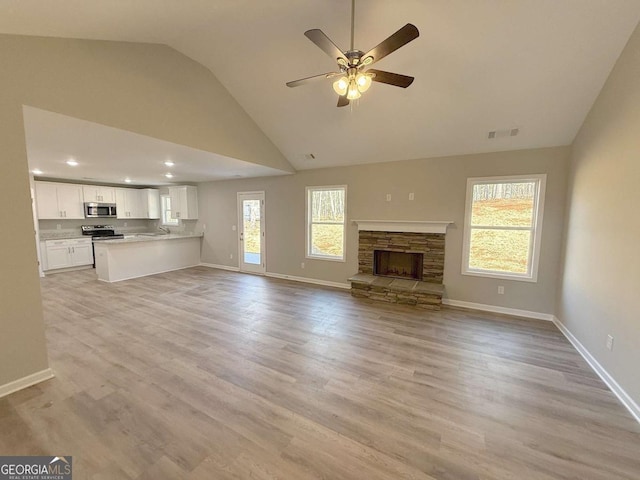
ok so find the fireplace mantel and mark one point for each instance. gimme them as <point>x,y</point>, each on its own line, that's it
<point>402,226</point>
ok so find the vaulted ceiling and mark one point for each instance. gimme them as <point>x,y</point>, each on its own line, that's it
<point>535,65</point>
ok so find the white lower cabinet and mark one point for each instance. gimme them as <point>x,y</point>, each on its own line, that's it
<point>67,253</point>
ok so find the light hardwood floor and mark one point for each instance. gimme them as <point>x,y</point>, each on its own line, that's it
<point>207,374</point>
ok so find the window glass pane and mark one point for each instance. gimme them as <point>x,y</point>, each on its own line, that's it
<point>165,204</point>
<point>327,206</point>
<point>327,240</point>
<point>503,204</point>
<point>499,250</point>
<point>251,229</point>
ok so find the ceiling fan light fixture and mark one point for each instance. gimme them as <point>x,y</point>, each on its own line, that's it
<point>340,86</point>
<point>364,82</point>
<point>353,92</point>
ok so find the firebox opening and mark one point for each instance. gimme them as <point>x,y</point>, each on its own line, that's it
<point>397,264</point>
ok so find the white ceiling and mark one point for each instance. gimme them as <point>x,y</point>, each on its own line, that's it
<point>110,155</point>
<point>479,65</point>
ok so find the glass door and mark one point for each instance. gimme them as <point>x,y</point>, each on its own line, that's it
<point>251,237</point>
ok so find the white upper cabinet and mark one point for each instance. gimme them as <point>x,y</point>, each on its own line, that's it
<point>59,200</point>
<point>152,199</point>
<point>99,194</point>
<point>65,200</point>
<point>131,203</point>
<point>184,202</point>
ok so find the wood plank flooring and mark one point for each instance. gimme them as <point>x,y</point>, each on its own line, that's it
<point>207,374</point>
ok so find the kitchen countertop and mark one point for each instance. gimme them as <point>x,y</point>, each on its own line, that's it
<point>140,237</point>
<point>61,236</point>
<point>71,235</point>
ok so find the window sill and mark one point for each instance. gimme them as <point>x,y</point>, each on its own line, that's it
<point>501,276</point>
<point>330,259</point>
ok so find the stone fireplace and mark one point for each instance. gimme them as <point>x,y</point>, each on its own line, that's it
<point>401,262</point>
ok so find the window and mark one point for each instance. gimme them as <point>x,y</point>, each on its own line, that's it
<point>503,226</point>
<point>165,205</point>
<point>326,207</point>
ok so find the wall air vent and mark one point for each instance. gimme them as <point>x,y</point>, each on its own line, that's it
<point>506,132</point>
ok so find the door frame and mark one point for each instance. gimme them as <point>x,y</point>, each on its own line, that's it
<point>248,267</point>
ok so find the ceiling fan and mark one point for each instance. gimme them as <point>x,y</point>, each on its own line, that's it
<point>354,79</point>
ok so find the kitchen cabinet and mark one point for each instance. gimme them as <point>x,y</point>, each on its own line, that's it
<point>184,202</point>
<point>99,194</point>
<point>67,253</point>
<point>59,200</point>
<point>151,198</point>
<point>131,203</point>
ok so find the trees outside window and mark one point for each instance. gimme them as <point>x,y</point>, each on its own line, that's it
<point>326,217</point>
<point>503,226</point>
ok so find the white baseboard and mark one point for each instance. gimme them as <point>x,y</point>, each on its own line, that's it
<point>221,267</point>
<point>496,309</point>
<point>314,281</point>
<point>617,390</point>
<point>25,382</point>
<point>65,270</point>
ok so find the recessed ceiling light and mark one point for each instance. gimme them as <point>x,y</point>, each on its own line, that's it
<point>128,180</point>
<point>36,171</point>
<point>168,175</point>
<point>169,163</point>
<point>72,162</point>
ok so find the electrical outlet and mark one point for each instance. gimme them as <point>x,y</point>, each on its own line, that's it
<point>411,196</point>
<point>302,265</point>
<point>58,226</point>
<point>388,197</point>
<point>233,227</point>
<point>204,227</point>
<point>231,256</point>
<point>500,290</point>
<point>609,342</point>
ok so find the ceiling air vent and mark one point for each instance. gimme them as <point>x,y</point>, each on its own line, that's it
<point>507,132</point>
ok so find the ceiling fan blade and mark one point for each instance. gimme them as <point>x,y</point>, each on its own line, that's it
<point>389,78</point>
<point>318,37</point>
<point>403,36</point>
<point>343,101</point>
<point>302,81</point>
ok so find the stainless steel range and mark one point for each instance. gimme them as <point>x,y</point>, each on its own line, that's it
<point>100,232</point>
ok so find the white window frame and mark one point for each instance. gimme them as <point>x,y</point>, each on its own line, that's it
<point>308,192</point>
<point>162,213</point>
<point>536,227</point>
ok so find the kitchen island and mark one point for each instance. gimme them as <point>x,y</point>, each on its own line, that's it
<point>145,254</point>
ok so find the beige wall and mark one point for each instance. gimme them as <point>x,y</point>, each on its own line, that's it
<point>147,89</point>
<point>439,186</point>
<point>601,280</point>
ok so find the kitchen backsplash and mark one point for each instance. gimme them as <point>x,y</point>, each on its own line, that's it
<point>68,228</point>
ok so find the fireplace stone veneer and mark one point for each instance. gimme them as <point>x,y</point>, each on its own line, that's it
<point>426,293</point>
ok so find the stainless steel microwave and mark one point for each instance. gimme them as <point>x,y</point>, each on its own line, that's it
<point>95,210</point>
